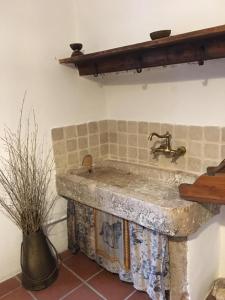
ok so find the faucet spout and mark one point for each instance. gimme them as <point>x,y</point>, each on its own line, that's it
<point>165,147</point>
<point>167,135</point>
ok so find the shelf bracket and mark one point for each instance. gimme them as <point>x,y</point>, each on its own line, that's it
<point>202,55</point>
<point>96,70</point>
<point>139,68</point>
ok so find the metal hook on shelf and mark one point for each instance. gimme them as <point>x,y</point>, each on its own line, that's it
<point>202,55</point>
<point>139,69</point>
<point>96,70</point>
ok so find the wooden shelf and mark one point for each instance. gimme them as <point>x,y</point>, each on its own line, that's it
<point>195,46</point>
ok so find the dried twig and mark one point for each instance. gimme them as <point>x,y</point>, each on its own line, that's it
<point>25,175</point>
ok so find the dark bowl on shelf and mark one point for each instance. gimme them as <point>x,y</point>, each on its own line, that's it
<point>160,34</point>
<point>76,46</point>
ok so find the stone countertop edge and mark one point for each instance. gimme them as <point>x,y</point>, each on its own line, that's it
<point>172,221</point>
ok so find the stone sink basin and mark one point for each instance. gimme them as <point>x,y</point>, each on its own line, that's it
<point>145,195</point>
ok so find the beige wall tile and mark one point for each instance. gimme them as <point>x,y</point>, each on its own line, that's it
<point>112,125</point>
<point>82,143</point>
<point>132,140</point>
<point>212,134</point>
<point>122,138</point>
<point>165,162</point>
<point>59,148</point>
<point>222,152</point>
<point>195,132</point>
<point>112,137</point>
<point>82,129</point>
<point>132,152</point>
<point>92,127</point>
<point>61,171</point>
<point>194,149</point>
<point>57,134</point>
<point>104,149</point>
<point>122,126</point>
<point>134,146</point>
<point>71,145</point>
<point>73,158</point>
<point>103,126</point>
<point>132,127</point>
<point>143,128</point>
<point>104,138</point>
<point>180,131</point>
<point>143,141</point>
<point>113,149</point>
<point>95,152</point>
<point>93,140</point>
<point>194,164</point>
<point>60,161</point>
<point>152,160</point>
<point>70,131</point>
<point>223,134</point>
<point>211,151</point>
<point>143,154</point>
<point>181,163</point>
<point>122,151</point>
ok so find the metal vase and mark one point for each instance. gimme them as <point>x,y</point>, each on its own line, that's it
<point>38,262</point>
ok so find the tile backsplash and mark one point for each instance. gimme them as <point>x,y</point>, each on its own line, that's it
<point>128,141</point>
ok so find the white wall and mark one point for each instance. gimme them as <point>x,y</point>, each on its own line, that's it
<point>34,34</point>
<point>204,258</point>
<point>106,24</point>
<point>182,94</point>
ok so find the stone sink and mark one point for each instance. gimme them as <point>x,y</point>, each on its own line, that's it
<point>145,195</point>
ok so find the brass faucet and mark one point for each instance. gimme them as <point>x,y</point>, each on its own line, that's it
<point>165,147</point>
<point>87,162</point>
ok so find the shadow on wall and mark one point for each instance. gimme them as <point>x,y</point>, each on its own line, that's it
<point>183,72</point>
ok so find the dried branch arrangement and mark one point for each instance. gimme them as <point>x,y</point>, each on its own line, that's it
<point>25,176</point>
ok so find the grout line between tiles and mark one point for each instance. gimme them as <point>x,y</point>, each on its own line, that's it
<point>65,259</point>
<point>131,294</point>
<point>94,275</point>
<point>17,278</point>
<point>32,295</point>
<point>29,292</point>
<point>85,282</point>
<point>10,292</point>
<point>94,290</point>
<point>71,291</point>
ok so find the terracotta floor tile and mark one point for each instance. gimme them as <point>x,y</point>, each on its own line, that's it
<point>19,277</point>
<point>8,285</point>
<point>82,265</point>
<point>65,282</point>
<point>18,294</point>
<point>66,254</point>
<point>140,296</point>
<point>83,293</point>
<point>110,286</point>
